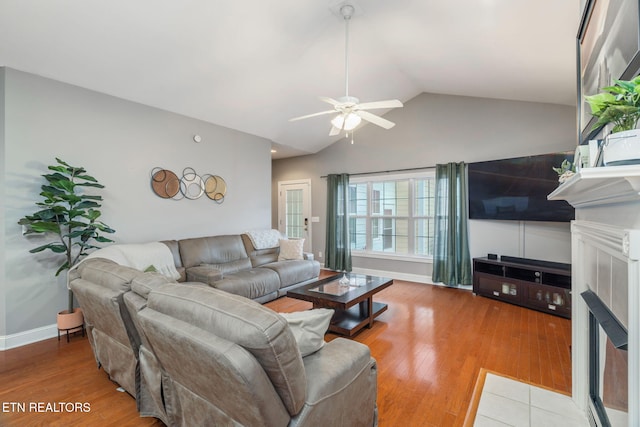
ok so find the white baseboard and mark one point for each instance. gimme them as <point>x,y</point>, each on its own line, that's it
<point>395,275</point>
<point>8,342</point>
<point>418,278</point>
<point>392,275</point>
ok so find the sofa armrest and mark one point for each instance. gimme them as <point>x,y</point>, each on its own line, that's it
<point>341,386</point>
<point>308,256</point>
<point>204,273</point>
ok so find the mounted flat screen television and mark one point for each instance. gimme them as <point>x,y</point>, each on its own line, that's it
<point>516,189</point>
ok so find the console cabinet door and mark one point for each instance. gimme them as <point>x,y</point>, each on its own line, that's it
<point>551,299</point>
<point>498,288</point>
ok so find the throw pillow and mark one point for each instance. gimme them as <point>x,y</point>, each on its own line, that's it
<point>291,249</point>
<point>309,327</point>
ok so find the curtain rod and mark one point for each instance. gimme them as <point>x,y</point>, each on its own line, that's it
<point>388,171</point>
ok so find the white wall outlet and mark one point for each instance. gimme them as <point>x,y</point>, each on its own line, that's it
<point>319,254</point>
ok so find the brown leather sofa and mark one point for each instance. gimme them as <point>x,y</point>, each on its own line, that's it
<point>192,354</point>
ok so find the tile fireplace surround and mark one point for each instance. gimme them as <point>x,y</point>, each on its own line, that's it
<point>605,260</point>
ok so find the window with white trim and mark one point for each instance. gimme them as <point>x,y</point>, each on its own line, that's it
<point>392,214</point>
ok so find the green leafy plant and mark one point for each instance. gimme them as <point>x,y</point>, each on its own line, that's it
<point>618,104</point>
<point>69,215</point>
<point>565,166</point>
<point>566,170</point>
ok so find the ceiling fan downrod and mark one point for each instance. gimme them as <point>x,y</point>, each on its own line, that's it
<point>349,110</point>
<point>347,11</point>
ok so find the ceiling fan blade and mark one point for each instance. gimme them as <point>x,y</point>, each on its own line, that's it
<point>334,131</point>
<point>330,101</point>
<point>390,103</point>
<point>321,113</point>
<point>376,120</point>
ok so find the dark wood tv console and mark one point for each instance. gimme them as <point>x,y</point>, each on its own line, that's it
<point>539,285</point>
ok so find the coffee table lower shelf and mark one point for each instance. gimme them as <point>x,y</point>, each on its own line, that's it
<point>349,322</point>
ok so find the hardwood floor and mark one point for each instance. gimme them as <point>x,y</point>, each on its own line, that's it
<point>430,345</point>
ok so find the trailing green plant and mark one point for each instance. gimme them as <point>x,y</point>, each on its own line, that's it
<point>618,104</point>
<point>68,214</point>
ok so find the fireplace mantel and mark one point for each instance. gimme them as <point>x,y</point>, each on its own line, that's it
<point>605,260</point>
<point>600,186</point>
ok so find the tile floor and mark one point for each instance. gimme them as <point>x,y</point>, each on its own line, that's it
<point>507,402</point>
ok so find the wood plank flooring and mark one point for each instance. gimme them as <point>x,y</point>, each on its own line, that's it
<point>430,346</point>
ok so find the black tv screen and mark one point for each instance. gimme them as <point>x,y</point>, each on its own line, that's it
<point>516,189</point>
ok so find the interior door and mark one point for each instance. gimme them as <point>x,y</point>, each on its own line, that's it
<point>294,210</point>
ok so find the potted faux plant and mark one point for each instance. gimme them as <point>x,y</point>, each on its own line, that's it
<point>72,218</point>
<point>619,105</point>
<point>565,171</point>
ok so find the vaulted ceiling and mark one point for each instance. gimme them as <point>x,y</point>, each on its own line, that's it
<point>251,65</point>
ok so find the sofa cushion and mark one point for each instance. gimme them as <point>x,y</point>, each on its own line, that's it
<point>225,253</point>
<point>309,327</point>
<point>144,283</point>
<point>252,283</point>
<point>107,273</point>
<point>259,256</point>
<point>204,273</point>
<point>294,271</point>
<point>258,329</point>
<point>291,249</point>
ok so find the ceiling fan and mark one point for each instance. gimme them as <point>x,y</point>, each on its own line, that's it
<point>350,111</point>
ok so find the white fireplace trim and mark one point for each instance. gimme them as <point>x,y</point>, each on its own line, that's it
<point>588,240</point>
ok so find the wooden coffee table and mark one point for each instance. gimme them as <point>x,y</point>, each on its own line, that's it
<point>353,303</point>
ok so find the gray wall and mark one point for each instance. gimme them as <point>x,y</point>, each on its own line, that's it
<point>118,142</point>
<point>433,129</point>
<point>3,323</point>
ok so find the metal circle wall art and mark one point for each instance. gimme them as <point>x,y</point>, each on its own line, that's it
<point>215,187</point>
<point>192,186</point>
<point>164,183</point>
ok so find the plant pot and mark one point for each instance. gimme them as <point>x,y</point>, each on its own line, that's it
<point>70,321</point>
<point>622,148</point>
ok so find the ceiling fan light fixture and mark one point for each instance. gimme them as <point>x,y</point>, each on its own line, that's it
<point>350,112</point>
<point>347,122</point>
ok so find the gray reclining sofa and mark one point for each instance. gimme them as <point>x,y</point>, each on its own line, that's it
<point>194,353</point>
<point>232,263</point>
